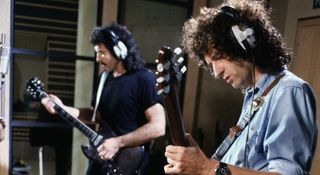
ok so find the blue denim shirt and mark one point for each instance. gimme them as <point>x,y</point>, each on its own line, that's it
<point>283,132</point>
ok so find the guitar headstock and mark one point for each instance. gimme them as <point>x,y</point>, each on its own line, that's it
<point>170,68</point>
<point>35,87</point>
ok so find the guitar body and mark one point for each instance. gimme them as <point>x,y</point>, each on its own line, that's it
<point>126,162</point>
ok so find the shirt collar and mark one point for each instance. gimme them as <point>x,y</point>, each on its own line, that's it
<point>265,80</point>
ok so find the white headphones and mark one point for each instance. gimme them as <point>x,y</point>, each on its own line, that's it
<point>243,34</point>
<point>119,48</point>
<point>244,37</point>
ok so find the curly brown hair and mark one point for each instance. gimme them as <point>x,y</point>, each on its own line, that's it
<point>212,29</point>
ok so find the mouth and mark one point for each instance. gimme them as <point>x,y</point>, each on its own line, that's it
<point>103,64</point>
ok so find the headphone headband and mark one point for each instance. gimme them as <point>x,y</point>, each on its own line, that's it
<point>231,12</point>
<point>241,33</point>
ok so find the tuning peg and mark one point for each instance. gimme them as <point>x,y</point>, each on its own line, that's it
<point>179,73</point>
<point>166,90</point>
<point>180,60</point>
<point>183,69</point>
<point>160,79</point>
<point>177,50</point>
<point>166,79</point>
<point>160,67</point>
<point>167,66</point>
<point>159,92</point>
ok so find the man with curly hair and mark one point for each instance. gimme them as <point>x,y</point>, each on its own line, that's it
<point>129,103</point>
<point>277,129</point>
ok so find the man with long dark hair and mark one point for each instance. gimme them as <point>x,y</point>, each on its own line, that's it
<point>277,129</point>
<point>128,104</point>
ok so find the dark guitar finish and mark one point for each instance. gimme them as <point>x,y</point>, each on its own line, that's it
<point>170,69</point>
<point>125,162</point>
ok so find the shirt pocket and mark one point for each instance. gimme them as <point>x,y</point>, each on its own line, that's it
<point>252,142</point>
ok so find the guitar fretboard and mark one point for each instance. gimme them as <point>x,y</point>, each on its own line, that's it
<point>83,128</point>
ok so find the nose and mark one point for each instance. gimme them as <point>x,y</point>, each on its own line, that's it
<point>97,58</point>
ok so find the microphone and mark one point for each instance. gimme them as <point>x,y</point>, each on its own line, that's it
<point>4,59</point>
<point>5,56</point>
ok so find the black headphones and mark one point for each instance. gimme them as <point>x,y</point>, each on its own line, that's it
<point>241,33</point>
<point>117,47</point>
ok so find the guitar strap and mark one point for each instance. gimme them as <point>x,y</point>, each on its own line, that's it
<point>103,79</point>
<point>235,131</point>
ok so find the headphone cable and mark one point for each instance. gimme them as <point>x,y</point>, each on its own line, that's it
<point>246,163</point>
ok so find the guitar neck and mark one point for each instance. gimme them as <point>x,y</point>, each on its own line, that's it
<point>223,148</point>
<point>75,122</point>
<point>175,121</point>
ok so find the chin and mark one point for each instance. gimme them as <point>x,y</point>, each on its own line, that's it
<point>235,86</point>
<point>239,86</point>
<point>106,68</point>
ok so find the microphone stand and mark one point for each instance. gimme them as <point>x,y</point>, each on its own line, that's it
<point>41,160</point>
<point>2,113</point>
<point>5,56</point>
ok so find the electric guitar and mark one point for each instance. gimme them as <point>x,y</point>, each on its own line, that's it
<point>170,69</point>
<point>125,162</point>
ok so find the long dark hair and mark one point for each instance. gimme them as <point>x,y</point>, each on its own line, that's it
<point>211,29</point>
<point>134,60</point>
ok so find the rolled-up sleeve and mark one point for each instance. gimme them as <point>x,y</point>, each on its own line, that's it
<point>290,139</point>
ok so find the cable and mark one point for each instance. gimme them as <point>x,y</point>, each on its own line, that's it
<point>246,163</point>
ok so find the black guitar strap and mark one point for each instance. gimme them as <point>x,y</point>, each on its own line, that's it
<point>235,131</point>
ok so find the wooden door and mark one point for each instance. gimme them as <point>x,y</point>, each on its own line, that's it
<point>306,64</point>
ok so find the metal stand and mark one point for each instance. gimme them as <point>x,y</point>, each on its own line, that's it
<point>2,94</point>
<point>2,112</point>
<point>4,55</point>
<point>41,160</point>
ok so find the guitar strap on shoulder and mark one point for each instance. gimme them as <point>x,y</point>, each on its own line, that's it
<point>103,79</point>
<point>235,131</point>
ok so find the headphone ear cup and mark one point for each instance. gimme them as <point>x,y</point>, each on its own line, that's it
<point>120,50</point>
<point>240,33</point>
<point>244,37</point>
<point>117,51</point>
<point>116,45</point>
<point>123,50</point>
